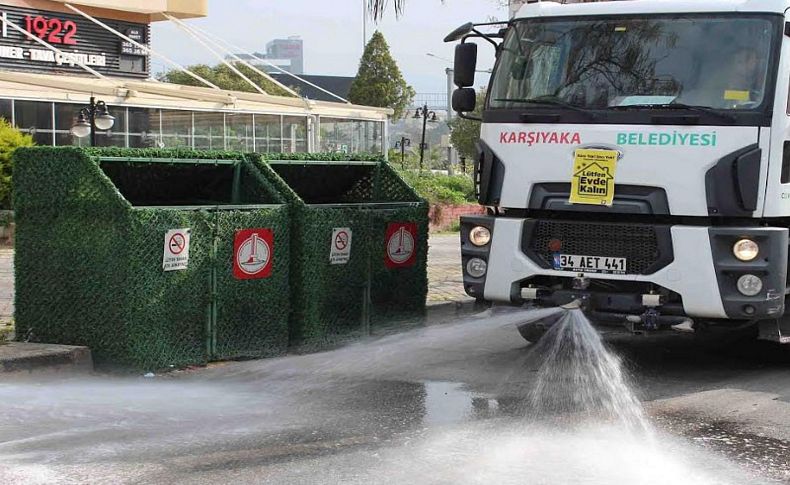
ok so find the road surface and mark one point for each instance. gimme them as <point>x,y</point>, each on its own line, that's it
<point>446,403</point>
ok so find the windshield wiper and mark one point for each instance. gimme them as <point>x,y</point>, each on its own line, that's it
<point>550,101</point>
<point>665,106</point>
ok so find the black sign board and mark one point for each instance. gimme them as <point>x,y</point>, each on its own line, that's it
<point>137,34</point>
<point>78,39</point>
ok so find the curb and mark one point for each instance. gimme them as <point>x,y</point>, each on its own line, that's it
<point>453,308</point>
<point>19,359</point>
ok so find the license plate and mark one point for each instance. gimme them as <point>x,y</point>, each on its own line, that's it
<point>590,264</point>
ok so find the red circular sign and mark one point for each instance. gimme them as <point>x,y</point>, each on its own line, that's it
<point>253,251</point>
<point>341,240</point>
<point>177,243</point>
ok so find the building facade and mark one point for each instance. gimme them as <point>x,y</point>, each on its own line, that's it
<point>291,49</point>
<point>53,58</point>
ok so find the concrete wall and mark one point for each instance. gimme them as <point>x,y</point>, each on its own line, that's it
<point>442,217</point>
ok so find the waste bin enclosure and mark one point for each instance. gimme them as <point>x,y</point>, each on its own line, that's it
<point>150,258</point>
<point>359,246</point>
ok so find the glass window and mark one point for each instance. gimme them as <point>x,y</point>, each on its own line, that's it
<point>332,135</point>
<point>711,61</point>
<point>176,128</point>
<point>6,109</point>
<point>372,137</point>
<point>110,138</point>
<point>210,131</point>
<point>268,133</point>
<point>33,114</point>
<point>239,132</point>
<point>345,136</point>
<point>41,137</point>
<point>66,115</point>
<point>143,127</point>
<point>294,134</point>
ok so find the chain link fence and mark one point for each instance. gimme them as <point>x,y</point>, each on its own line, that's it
<point>380,278</point>
<point>91,237</point>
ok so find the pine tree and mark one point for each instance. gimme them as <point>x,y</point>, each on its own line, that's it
<point>379,82</point>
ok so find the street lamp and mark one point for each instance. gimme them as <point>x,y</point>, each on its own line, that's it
<point>95,116</point>
<point>426,117</point>
<point>402,144</point>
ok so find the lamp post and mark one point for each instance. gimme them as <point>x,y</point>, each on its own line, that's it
<point>402,144</point>
<point>92,117</point>
<point>426,117</point>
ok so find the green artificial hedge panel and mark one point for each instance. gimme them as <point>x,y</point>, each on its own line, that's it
<point>331,301</point>
<point>89,264</point>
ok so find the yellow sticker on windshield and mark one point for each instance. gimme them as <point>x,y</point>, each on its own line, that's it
<point>592,181</point>
<point>736,95</point>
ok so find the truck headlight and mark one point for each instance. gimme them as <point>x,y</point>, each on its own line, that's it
<point>476,268</point>
<point>480,236</point>
<point>746,250</point>
<point>750,285</point>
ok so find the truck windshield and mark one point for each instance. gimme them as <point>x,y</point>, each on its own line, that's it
<point>719,62</point>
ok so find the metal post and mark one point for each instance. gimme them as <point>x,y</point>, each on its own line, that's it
<point>236,190</point>
<point>403,152</point>
<point>364,25</point>
<point>450,85</point>
<point>92,120</point>
<point>424,126</point>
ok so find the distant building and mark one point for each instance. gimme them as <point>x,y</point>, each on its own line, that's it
<point>286,54</point>
<point>291,49</point>
<point>339,85</point>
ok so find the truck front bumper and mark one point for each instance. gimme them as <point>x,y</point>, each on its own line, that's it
<point>691,270</point>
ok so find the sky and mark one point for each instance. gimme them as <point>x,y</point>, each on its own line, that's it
<point>332,34</point>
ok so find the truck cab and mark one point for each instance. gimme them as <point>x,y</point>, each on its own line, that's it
<point>634,157</point>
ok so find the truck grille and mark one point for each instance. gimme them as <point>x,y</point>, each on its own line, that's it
<point>641,244</point>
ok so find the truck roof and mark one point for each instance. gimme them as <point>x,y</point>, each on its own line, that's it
<point>556,9</point>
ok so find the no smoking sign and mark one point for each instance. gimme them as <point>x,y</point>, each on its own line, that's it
<point>176,251</point>
<point>340,250</point>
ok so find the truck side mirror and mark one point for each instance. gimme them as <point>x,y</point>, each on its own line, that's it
<point>465,65</point>
<point>464,100</point>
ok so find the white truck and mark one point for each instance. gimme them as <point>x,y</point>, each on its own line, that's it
<point>634,156</point>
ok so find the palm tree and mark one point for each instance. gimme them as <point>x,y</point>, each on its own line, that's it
<point>377,7</point>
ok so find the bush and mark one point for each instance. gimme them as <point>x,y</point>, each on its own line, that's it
<point>10,140</point>
<point>441,189</point>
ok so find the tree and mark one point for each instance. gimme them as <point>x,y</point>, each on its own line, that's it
<point>10,139</point>
<point>379,82</point>
<point>224,77</point>
<point>466,133</point>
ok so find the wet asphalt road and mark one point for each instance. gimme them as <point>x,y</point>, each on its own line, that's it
<point>441,404</point>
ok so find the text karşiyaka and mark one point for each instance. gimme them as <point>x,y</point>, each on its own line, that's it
<point>530,138</point>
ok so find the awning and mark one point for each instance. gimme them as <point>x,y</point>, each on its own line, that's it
<point>154,94</point>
